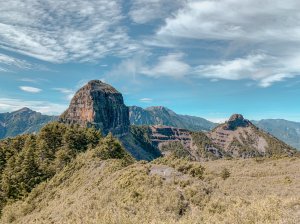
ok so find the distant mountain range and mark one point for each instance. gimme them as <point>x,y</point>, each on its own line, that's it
<point>22,121</point>
<point>163,116</point>
<point>287,131</point>
<point>29,121</point>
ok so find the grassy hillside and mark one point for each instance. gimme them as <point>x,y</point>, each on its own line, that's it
<point>68,174</point>
<point>168,190</point>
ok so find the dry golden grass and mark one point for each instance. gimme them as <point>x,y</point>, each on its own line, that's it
<point>93,191</point>
<point>257,191</point>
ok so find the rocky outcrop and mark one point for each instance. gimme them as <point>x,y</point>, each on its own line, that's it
<point>100,105</point>
<point>238,137</point>
<point>161,135</point>
<point>236,121</point>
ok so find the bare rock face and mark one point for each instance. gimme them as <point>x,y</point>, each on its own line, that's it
<point>196,145</point>
<point>236,121</point>
<point>161,135</point>
<point>100,105</point>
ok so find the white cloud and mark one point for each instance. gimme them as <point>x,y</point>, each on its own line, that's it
<point>64,90</point>
<point>30,89</point>
<point>258,67</point>
<point>69,93</point>
<point>60,31</point>
<point>146,100</point>
<point>241,27</point>
<point>28,80</point>
<point>143,11</point>
<point>9,104</point>
<point>171,65</point>
<point>235,19</point>
<point>268,81</point>
<point>33,80</point>
<point>235,69</point>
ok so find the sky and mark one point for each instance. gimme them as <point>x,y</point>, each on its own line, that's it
<point>208,58</point>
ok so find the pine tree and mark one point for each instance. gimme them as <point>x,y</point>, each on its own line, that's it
<point>75,139</point>
<point>30,174</point>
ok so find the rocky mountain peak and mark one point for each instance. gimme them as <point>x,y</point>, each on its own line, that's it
<point>24,110</point>
<point>97,85</point>
<point>156,108</point>
<point>235,121</point>
<point>100,105</point>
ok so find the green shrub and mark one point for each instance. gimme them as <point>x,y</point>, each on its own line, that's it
<point>225,174</point>
<point>110,148</point>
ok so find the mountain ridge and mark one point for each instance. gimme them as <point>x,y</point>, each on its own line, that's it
<point>22,121</point>
<point>285,130</point>
<point>160,115</point>
<point>101,105</point>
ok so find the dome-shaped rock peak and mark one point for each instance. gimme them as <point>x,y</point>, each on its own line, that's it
<point>100,105</point>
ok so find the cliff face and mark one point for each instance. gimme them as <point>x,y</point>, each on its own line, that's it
<point>100,105</point>
<point>161,135</point>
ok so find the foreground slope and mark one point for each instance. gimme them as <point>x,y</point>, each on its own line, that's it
<point>169,190</point>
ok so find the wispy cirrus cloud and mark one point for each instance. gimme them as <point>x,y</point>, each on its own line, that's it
<point>61,31</point>
<point>30,89</point>
<point>69,93</point>
<point>35,80</point>
<point>144,11</point>
<point>8,63</point>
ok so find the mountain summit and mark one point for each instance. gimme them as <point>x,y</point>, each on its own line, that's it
<point>238,137</point>
<point>100,105</point>
<point>235,121</point>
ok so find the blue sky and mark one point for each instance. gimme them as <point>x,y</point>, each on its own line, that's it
<point>207,58</point>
